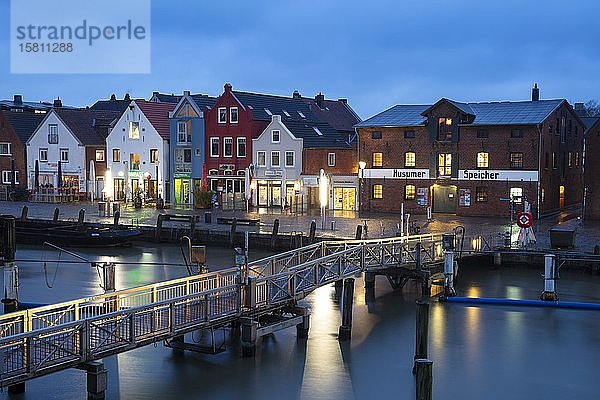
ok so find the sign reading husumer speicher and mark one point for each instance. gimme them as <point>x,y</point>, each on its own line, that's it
<point>463,174</point>
<point>80,36</point>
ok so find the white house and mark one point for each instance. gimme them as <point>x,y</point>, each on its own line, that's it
<point>72,137</point>
<point>138,152</point>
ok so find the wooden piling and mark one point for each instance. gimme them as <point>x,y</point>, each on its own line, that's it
<point>81,216</point>
<point>24,213</point>
<point>159,222</point>
<point>116,217</point>
<point>358,235</point>
<point>312,232</point>
<point>422,331</point>
<point>345,331</point>
<point>97,380</point>
<point>56,212</point>
<point>418,257</point>
<point>423,378</point>
<point>232,231</point>
<point>274,234</point>
<point>249,336</point>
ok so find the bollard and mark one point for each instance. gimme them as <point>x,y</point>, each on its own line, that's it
<point>81,216</point>
<point>332,225</point>
<point>312,231</point>
<point>116,217</point>
<point>507,240</point>
<point>345,331</point>
<point>159,222</point>
<point>422,331</point>
<point>497,259</point>
<point>549,293</point>
<point>232,231</point>
<point>24,213</point>
<point>423,378</point>
<point>56,211</point>
<point>358,235</point>
<point>449,273</point>
<point>428,213</point>
<point>274,233</point>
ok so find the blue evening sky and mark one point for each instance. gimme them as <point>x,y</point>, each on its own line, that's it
<point>376,53</point>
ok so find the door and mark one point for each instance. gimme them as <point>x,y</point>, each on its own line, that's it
<point>275,193</point>
<point>119,189</point>
<point>561,191</point>
<point>263,195</point>
<point>444,199</point>
<point>99,188</point>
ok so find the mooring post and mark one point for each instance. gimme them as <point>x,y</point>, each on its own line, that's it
<point>250,295</point>
<point>302,328</point>
<point>449,273</point>
<point>422,331</point>
<point>369,280</point>
<point>108,277</point>
<point>56,212</point>
<point>116,217</point>
<point>159,222</point>
<point>418,257</point>
<point>8,249</point>
<point>274,233</point>
<point>97,380</point>
<point>497,259</point>
<point>312,232</point>
<point>81,216</point>
<point>423,378</point>
<point>345,331</point>
<point>249,328</point>
<point>232,231</point>
<point>358,235</point>
<point>24,213</point>
<point>549,293</point>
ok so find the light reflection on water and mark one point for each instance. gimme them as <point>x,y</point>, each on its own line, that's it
<point>478,352</point>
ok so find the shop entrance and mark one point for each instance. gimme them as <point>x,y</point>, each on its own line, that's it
<point>561,192</point>
<point>344,199</point>
<point>444,199</point>
<point>182,191</point>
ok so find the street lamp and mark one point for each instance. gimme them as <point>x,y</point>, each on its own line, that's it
<point>361,184</point>
<point>323,194</point>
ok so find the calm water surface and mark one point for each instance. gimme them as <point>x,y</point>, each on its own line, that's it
<point>490,352</point>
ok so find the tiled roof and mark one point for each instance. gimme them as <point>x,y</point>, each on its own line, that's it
<point>203,101</point>
<point>400,115</point>
<point>84,123</point>
<point>119,105</point>
<point>329,138</point>
<point>336,113</point>
<point>158,115</point>
<point>23,123</point>
<point>167,98</point>
<point>290,109</point>
<point>30,105</point>
<point>589,122</point>
<point>492,113</point>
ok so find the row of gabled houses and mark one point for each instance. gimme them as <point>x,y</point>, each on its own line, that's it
<point>492,158</point>
<point>171,147</point>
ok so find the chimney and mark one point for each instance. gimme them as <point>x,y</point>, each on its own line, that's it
<point>113,97</point>
<point>186,92</point>
<point>227,87</point>
<point>57,103</point>
<point>18,99</point>
<point>345,101</point>
<point>535,93</point>
<point>296,95</point>
<point>275,118</point>
<point>127,97</point>
<point>320,100</point>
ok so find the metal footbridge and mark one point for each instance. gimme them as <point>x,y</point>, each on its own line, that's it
<point>47,339</point>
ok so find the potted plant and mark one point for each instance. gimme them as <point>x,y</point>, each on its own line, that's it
<point>203,198</point>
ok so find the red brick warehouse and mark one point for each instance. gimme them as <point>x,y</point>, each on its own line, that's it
<point>471,158</point>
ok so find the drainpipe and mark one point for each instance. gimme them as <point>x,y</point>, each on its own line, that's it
<point>539,182</point>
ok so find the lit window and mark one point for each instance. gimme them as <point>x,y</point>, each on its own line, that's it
<point>275,136</point>
<point>53,134</point>
<point>409,192</point>
<point>516,160</point>
<point>378,191</point>
<point>228,147</point>
<point>214,147</point>
<point>134,130</point>
<point>154,156</point>
<point>576,158</point>
<point>116,155</point>
<point>43,155</point>
<point>241,147</point>
<point>481,194</point>
<point>274,159</point>
<point>222,115</point>
<point>444,164</point>
<point>444,129</point>
<point>482,160</point>
<point>409,159</point>
<point>5,149</point>
<point>289,158</point>
<point>99,155</point>
<point>377,159</point>
<point>261,157</point>
<point>516,195</point>
<point>570,162</point>
<point>134,161</point>
<point>64,155</point>
<point>331,159</point>
<point>233,115</point>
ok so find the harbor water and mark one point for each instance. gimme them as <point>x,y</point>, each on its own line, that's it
<point>491,352</point>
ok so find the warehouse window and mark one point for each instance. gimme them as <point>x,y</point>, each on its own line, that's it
<point>409,159</point>
<point>409,192</point>
<point>482,160</point>
<point>516,133</point>
<point>409,134</point>
<point>378,191</point>
<point>377,159</point>
<point>481,194</point>
<point>482,133</point>
<point>376,135</point>
<point>516,194</point>
<point>516,160</point>
<point>444,164</point>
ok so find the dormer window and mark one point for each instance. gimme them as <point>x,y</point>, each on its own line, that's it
<point>444,129</point>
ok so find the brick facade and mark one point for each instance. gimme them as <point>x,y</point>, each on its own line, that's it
<point>17,152</point>
<point>591,173</point>
<point>315,159</point>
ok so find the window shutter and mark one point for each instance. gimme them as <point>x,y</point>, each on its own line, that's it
<point>433,126</point>
<point>432,166</point>
<point>455,165</point>
<point>455,132</point>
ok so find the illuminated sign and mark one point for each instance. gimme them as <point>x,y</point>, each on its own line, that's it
<point>497,175</point>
